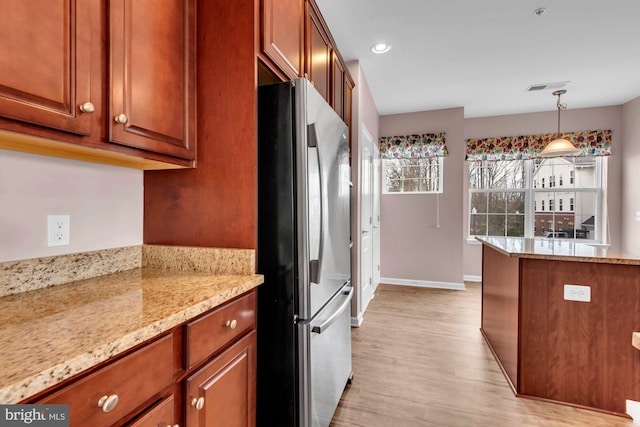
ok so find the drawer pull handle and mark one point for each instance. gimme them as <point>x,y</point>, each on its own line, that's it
<point>197,403</point>
<point>121,118</point>
<point>231,324</point>
<point>175,425</point>
<point>108,403</point>
<point>87,107</point>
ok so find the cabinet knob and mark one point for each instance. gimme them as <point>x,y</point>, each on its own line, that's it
<point>121,118</point>
<point>231,324</point>
<point>108,403</point>
<point>87,107</point>
<point>197,403</point>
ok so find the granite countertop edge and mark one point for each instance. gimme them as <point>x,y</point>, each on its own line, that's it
<point>600,254</point>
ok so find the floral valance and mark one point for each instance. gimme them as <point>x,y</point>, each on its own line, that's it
<point>425,145</point>
<point>592,143</point>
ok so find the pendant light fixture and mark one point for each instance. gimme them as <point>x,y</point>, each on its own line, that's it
<point>559,146</point>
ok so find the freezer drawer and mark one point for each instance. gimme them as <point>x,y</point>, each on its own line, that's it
<point>325,360</point>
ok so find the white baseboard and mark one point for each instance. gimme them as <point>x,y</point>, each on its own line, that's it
<point>356,321</point>
<point>424,284</point>
<point>467,278</point>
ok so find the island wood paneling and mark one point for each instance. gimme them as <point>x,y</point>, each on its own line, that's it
<point>580,352</point>
<point>500,299</point>
<point>216,203</point>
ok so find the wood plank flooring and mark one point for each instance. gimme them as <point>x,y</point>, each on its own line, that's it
<point>419,360</point>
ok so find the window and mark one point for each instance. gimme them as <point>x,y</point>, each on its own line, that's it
<point>503,200</point>
<point>497,198</point>
<point>416,175</point>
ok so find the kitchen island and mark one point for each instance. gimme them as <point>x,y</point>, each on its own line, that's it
<point>569,344</point>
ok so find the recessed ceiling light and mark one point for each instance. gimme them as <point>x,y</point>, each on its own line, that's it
<point>380,48</point>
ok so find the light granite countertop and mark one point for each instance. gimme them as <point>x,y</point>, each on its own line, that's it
<point>557,249</point>
<point>50,334</point>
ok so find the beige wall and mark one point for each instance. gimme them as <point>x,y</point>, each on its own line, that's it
<point>105,204</point>
<point>364,112</point>
<point>631,177</point>
<point>547,122</point>
<point>413,248</point>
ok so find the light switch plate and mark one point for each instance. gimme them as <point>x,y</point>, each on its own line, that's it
<point>577,293</point>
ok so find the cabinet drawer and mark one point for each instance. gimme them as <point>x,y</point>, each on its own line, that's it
<point>213,331</point>
<point>162,414</point>
<point>133,379</point>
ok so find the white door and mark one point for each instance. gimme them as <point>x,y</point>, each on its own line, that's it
<point>366,219</point>
<point>375,214</point>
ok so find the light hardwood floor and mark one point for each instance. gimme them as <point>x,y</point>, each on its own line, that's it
<point>419,360</point>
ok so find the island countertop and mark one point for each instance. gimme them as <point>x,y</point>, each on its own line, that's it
<point>557,249</point>
<point>51,334</point>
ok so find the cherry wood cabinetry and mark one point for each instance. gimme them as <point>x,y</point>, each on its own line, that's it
<point>202,373</point>
<point>573,352</point>
<point>59,83</point>
<point>223,391</point>
<point>282,35</point>
<point>45,65</point>
<point>295,41</point>
<point>153,98</point>
<point>318,51</point>
<point>111,393</point>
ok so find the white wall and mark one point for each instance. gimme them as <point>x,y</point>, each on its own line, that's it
<point>631,177</point>
<point>105,204</point>
<point>364,112</point>
<point>413,248</point>
<point>547,122</point>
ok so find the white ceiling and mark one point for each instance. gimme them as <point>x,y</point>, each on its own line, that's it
<point>483,55</point>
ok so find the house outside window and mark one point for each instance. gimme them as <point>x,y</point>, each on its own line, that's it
<point>503,200</point>
<point>417,175</point>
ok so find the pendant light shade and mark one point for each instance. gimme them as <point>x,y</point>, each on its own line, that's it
<point>559,147</point>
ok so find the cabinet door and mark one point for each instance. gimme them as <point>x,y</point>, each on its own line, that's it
<point>318,52</point>
<point>161,415</point>
<point>45,62</point>
<point>223,392</point>
<point>283,34</point>
<point>152,60</point>
<point>337,85</point>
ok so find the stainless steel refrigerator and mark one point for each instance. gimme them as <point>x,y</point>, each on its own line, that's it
<point>304,336</point>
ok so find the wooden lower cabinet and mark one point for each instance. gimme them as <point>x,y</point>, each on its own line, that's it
<point>163,414</point>
<point>157,384</point>
<point>222,393</point>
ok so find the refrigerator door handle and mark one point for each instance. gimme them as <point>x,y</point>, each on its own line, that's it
<point>324,325</point>
<point>312,142</point>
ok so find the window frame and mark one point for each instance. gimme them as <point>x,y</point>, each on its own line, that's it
<point>531,189</point>
<point>440,178</point>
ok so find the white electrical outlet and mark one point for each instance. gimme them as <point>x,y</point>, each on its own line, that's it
<point>577,293</point>
<point>633,409</point>
<point>58,230</point>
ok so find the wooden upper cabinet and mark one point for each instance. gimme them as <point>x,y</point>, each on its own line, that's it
<point>337,84</point>
<point>282,34</point>
<point>317,52</point>
<point>152,58</point>
<point>45,62</point>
